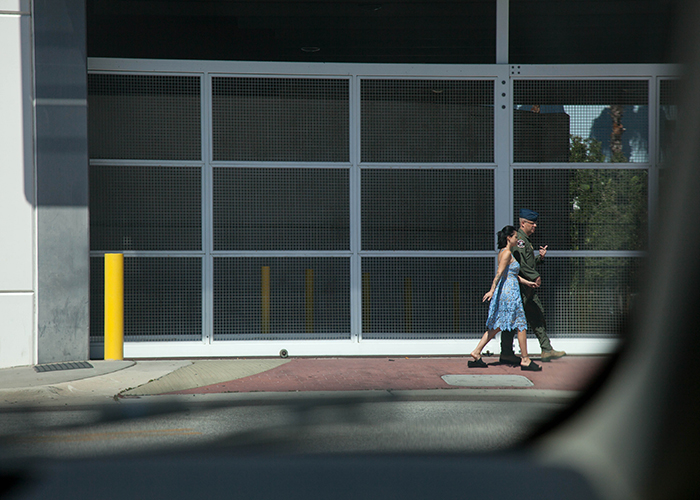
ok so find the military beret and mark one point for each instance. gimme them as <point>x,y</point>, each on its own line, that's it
<point>530,215</point>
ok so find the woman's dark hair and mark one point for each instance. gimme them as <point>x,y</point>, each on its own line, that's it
<point>503,235</point>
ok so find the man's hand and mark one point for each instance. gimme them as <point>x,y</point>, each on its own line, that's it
<point>538,282</point>
<point>543,251</point>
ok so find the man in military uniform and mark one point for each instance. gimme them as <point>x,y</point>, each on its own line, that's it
<point>534,312</point>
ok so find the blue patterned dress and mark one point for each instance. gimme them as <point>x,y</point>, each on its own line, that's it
<point>506,309</point>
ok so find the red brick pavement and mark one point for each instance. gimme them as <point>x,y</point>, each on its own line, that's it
<point>400,373</point>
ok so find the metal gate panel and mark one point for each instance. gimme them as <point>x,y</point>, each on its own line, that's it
<point>162,299</point>
<point>424,297</point>
<point>550,115</point>
<point>590,296</point>
<point>280,119</point>
<point>357,204</point>
<point>136,207</point>
<point>668,116</point>
<point>273,298</point>
<point>427,210</point>
<point>586,209</point>
<point>144,117</point>
<point>269,208</point>
<point>429,121</point>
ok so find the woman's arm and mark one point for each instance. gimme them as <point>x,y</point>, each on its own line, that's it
<point>503,261</point>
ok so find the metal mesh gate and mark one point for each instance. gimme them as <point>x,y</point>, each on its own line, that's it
<point>144,117</point>
<point>423,210</point>
<point>281,298</point>
<point>335,207</point>
<point>145,143</point>
<point>281,209</point>
<point>423,297</point>
<point>427,121</point>
<point>280,119</point>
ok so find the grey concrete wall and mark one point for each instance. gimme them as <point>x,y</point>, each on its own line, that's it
<point>63,272</point>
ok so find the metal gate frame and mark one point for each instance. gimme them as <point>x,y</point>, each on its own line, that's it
<point>503,76</point>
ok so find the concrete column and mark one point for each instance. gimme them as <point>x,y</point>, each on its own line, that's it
<point>63,263</point>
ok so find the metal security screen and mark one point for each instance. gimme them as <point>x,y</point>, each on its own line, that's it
<point>280,119</point>
<point>612,116</point>
<point>281,209</point>
<point>281,298</point>
<point>162,298</point>
<point>335,209</point>
<point>592,209</point>
<point>424,297</point>
<point>144,117</point>
<point>589,295</point>
<point>145,208</point>
<point>406,209</point>
<point>97,299</point>
<point>427,121</point>
<point>145,143</point>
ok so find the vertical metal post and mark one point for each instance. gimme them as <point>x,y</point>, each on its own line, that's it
<point>207,207</point>
<point>654,157</point>
<point>265,299</point>
<point>114,306</point>
<point>357,299</point>
<point>502,22</point>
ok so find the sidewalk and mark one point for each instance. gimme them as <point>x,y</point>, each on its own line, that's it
<point>120,381</point>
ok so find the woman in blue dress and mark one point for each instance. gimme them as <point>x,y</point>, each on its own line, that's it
<point>506,308</point>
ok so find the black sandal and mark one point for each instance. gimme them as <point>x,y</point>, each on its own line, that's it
<point>532,367</point>
<point>479,363</point>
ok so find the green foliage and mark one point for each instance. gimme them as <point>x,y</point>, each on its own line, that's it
<point>608,209</point>
<point>608,206</point>
<point>608,212</point>
<point>591,151</point>
<point>586,150</point>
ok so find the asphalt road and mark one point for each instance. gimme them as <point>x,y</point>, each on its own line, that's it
<point>369,426</point>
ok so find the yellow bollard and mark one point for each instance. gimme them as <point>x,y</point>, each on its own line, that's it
<point>265,299</point>
<point>114,306</point>
<point>366,304</point>
<point>408,304</point>
<point>455,306</point>
<point>309,301</point>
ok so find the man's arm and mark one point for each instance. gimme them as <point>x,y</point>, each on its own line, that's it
<point>540,256</point>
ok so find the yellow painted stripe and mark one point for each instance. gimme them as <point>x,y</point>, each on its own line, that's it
<point>408,304</point>
<point>309,300</point>
<point>366,303</point>
<point>265,299</point>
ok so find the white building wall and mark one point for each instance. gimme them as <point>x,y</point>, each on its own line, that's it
<point>17,255</point>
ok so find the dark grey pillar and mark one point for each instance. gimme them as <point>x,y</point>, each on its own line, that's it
<point>62,180</point>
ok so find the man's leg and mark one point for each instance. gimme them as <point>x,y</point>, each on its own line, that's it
<point>534,312</point>
<point>507,355</point>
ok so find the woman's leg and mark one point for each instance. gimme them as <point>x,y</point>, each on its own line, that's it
<point>526,364</point>
<point>488,335</point>
<point>522,340</point>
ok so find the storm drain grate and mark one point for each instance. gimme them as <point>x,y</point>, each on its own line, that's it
<point>72,365</point>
